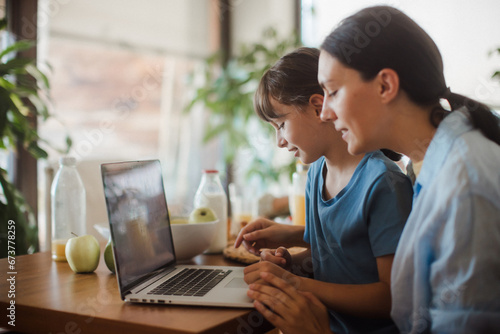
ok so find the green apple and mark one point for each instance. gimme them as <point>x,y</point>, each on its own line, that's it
<point>82,253</point>
<point>179,221</point>
<point>202,215</point>
<point>108,256</point>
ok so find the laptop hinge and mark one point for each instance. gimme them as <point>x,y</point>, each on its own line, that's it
<point>144,285</point>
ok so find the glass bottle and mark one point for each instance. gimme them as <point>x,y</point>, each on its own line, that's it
<point>68,207</point>
<point>211,194</point>
<point>298,194</point>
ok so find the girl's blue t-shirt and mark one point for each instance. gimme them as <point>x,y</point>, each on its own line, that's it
<point>348,232</point>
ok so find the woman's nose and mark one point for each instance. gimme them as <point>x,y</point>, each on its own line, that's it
<point>327,114</point>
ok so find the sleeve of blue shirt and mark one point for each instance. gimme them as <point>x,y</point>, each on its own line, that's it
<point>463,275</point>
<point>389,204</point>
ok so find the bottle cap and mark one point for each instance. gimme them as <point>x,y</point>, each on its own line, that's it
<point>210,171</point>
<point>67,161</point>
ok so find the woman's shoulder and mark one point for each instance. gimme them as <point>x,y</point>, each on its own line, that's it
<point>478,159</point>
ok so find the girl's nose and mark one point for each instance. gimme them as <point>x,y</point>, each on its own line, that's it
<point>327,114</point>
<point>280,140</point>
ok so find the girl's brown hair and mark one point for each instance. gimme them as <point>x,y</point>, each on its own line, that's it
<point>291,81</point>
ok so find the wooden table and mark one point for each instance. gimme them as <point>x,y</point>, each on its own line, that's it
<point>50,298</point>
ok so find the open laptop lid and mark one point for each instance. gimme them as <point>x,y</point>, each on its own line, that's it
<point>138,220</point>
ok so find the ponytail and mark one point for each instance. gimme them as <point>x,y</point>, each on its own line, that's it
<point>482,118</point>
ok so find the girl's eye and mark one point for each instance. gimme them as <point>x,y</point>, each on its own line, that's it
<point>281,126</point>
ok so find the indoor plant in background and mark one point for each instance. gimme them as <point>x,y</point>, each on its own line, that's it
<point>496,74</point>
<point>23,92</point>
<point>227,92</point>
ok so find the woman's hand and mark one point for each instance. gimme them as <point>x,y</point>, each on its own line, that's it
<point>290,310</point>
<point>253,273</point>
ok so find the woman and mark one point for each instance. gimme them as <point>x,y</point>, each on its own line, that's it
<point>383,81</point>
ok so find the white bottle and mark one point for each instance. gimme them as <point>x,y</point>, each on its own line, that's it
<point>211,194</point>
<point>68,207</point>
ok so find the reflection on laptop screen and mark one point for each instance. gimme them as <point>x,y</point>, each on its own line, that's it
<point>138,218</point>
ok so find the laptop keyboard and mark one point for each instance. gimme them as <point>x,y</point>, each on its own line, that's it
<point>191,282</point>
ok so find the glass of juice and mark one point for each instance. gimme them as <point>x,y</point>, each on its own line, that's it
<point>299,209</point>
<point>243,207</point>
<point>59,250</point>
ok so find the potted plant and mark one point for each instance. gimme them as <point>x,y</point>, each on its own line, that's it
<point>22,89</point>
<point>496,74</point>
<point>227,92</point>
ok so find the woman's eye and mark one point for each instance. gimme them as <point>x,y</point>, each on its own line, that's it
<point>332,94</point>
<point>281,126</point>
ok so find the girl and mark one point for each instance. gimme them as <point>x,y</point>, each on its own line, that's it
<point>356,206</point>
<point>385,92</point>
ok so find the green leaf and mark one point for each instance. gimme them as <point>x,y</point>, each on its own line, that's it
<point>40,107</point>
<point>69,143</point>
<point>3,24</point>
<point>36,151</point>
<point>38,75</point>
<point>15,208</point>
<point>19,105</point>
<point>17,47</point>
<point>4,107</point>
<point>7,84</point>
<point>14,66</point>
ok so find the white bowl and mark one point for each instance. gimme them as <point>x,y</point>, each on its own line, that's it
<point>192,239</point>
<point>189,239</point>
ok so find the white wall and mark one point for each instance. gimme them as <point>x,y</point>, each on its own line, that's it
<point>251,17</point>
<point>171,26</point>
<point>465,31</point>
<point>176,27</point>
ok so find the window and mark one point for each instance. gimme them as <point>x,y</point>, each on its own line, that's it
<point>118,85</point>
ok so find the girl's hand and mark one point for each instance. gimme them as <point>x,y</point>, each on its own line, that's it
<point>280,257</point>
<point>261,233</point>
<point>264,233</point>
<point>290,310</point>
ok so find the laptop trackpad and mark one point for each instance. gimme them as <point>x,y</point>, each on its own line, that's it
<point>237,282</point>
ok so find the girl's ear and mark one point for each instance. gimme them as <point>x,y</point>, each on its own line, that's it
<point>388,82</point>
<point>316,100</point>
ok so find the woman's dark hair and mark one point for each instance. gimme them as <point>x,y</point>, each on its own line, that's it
<point>383,37</point>
<point>291,81</point>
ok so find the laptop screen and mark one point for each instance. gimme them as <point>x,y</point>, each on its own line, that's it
<point>138,218</point>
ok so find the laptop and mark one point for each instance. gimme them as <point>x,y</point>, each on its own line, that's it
<point>143,248</point>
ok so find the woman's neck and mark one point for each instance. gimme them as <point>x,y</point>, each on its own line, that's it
<point>411,132</point>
